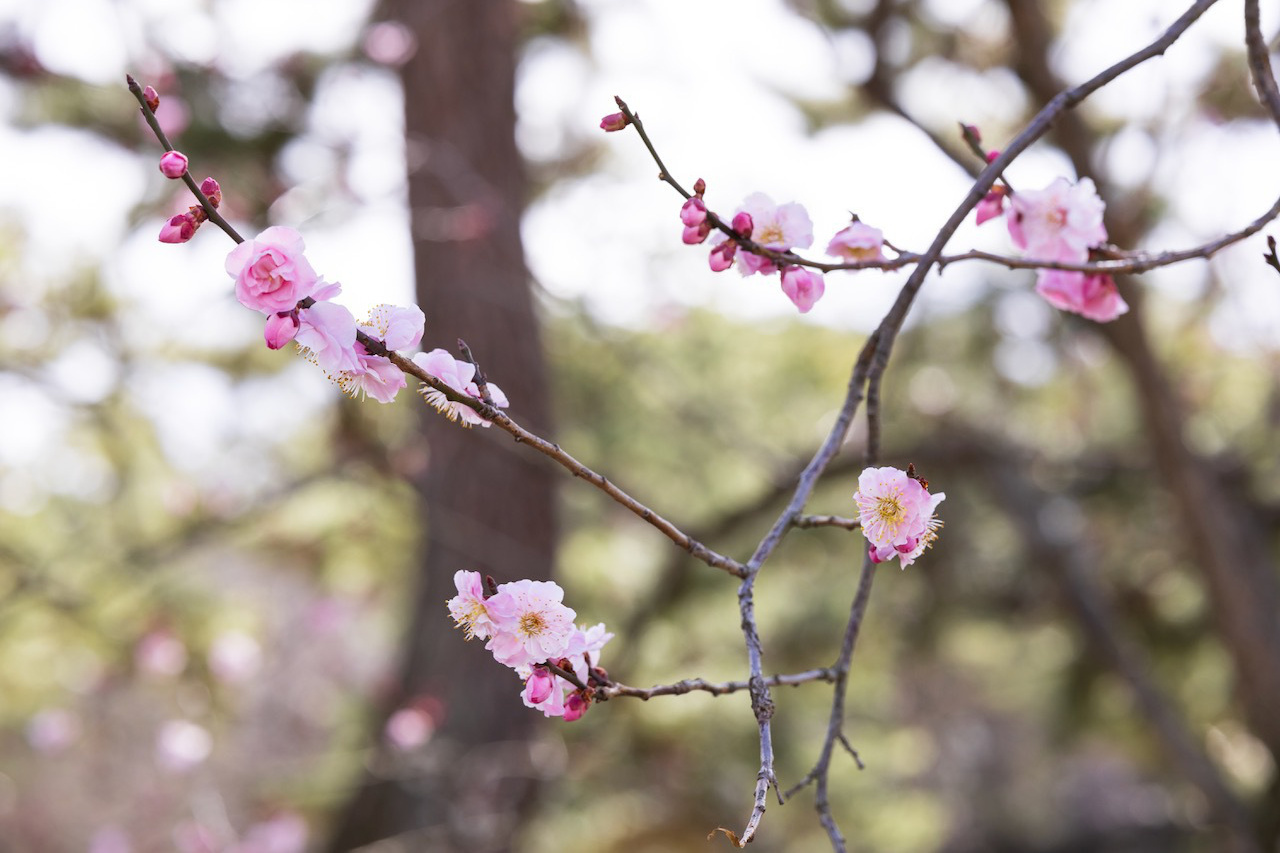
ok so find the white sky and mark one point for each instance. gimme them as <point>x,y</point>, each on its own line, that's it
<point>715,99</point>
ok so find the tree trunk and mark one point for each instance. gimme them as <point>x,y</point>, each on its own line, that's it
<point>488,505</point>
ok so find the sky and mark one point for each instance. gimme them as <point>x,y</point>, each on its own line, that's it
<point>718,100</point>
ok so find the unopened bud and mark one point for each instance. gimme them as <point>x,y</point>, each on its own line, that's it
<point>575,706</point>
<point>742,224</point>
<point>699,187</point>
<point>212,191</point>
<point>179,228</point>
<point>693,212</point>
<point>614,121</point>
<point>722,256</point>
<point>695,234</point>
<point>173,164</point>
<point>152,97</point>
<point>282,327</point>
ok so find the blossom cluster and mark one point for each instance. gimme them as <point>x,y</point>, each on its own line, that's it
<point>778,228</point>
<point>1060,223</point>
<point>896,513</point>
<point>528,628</point>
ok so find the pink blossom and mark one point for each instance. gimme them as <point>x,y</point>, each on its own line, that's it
<point>468,607</point>
<point>803,287</point>
<point>779,227</point>
<point>281,328</point>
<point>858,241</point>
<point>692,235</point>
<point>580,655</point>
<point>531,625</point>
<point>693,211</point>
<point>1058,223</point>
<point>327,333</point>
<point>1092,296</point>
<point>896,513</point>
<point>991,206</point>
<point>271,272</point>
<point>538,686</point>
<point>722,254</point>
<point>575,706</point>
<point>614,121</point>
<point>173,164</point>
<point>181,227</point>
<point>376,377</point>
<point>458,375</point>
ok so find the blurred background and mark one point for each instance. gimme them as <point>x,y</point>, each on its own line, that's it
<point>222,584</point>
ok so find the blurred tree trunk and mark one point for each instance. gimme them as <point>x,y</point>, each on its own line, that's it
<point>489,506</point>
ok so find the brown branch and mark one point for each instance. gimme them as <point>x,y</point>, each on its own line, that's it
<point>690,685</point>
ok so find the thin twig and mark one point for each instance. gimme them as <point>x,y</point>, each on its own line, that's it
<point>690,685</point>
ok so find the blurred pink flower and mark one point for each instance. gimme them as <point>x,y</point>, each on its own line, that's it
<point>53,730</point>
<point>857,241</point>
<point>1058,223</point>
<point>234,657</point>
<point>182,745</point>
<point>409,729</point>
<point>160,652</point>
<point>1092,296</point>
<point>803,287</point>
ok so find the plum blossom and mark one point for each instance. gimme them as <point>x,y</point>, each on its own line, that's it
<point>803,287</point>
<point>468,607</point>
<point>271,272</point>
<point>780,227</point>
<point>554,696</point>
<point>896,512</point>
<point>857,241</point>
<point>398,328</point>
<point>531,624</point>
<point>459,376</point>
<point>327,333</point>
<point>1058,223</point>
<point>1092,296</point>
<point>992,205</point>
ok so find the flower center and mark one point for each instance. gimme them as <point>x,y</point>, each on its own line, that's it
<point>532,624</point>
<point>889,510</point>
<point>768,234</point>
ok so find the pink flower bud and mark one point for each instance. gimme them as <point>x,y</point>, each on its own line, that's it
<point>693,212</point>
<point>179,228</point>
<point>152,97</point>
<point>991,206</point>
<point>173,164</point>
<point>212,191</point>
<point>281,328</point>
<point>699,187</point>
<point>575,706</point>
<point>614,121</point>
<point>722,256</point>
<point>742,223</point>
<point>695,234</point>
<point>992,155</point>
<point>540,685</point>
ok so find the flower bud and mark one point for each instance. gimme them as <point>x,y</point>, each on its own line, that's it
<point>282,327</point>
<point>695,234</point>
<point>614,121</point>
<point>699,187</point>
<point>742,224</point>
<point>722,256</point>
<point>540,685</point>
<point>152,97</point>
<point>173,164</point>
<point>212,191</point>
<point>575,706</point>
<point>693,212</point>
<point>179,228</point>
